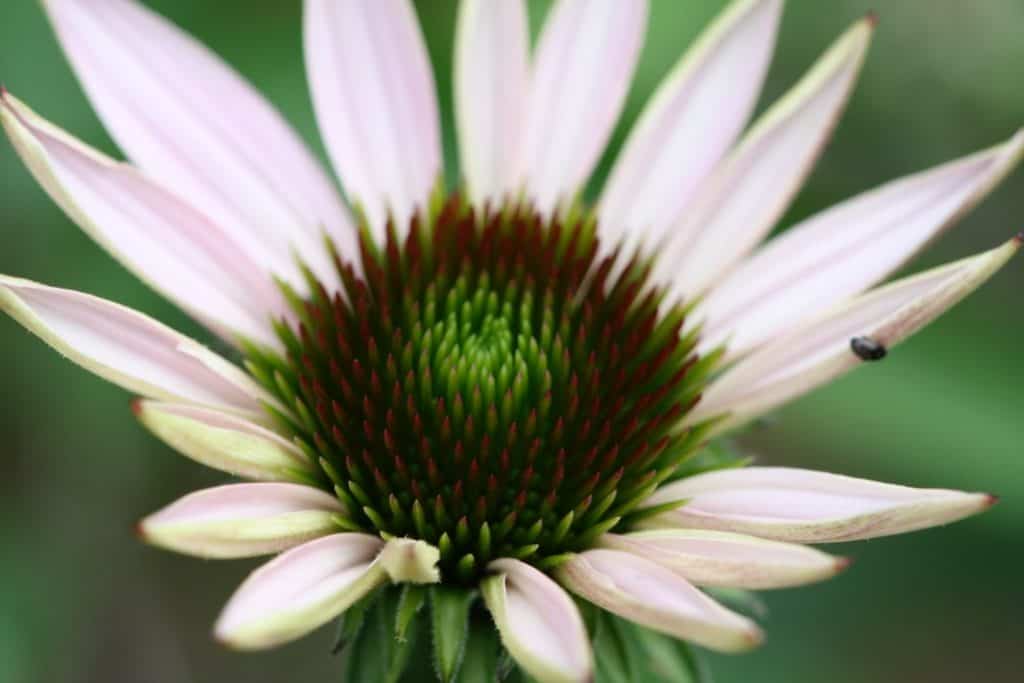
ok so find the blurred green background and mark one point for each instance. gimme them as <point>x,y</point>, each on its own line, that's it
<point>82,600</point>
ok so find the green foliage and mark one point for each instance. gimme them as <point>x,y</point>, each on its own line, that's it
<point>483,650</point>
<point>409,605</point>
<point>626,653</point>
<point>412,634</point>
<point>375,654</point>
<point>449,616</point>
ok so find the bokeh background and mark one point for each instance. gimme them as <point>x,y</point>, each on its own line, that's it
<point>82,600</point>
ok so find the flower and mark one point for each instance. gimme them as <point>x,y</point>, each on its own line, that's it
<point>503,388</point>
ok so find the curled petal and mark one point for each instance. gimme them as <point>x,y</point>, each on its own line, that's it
<point>651,595</point>
<point>128,348</point>
<point>755,184</point>
<point>161,239</point>
<point>301,590</point>
<point>373,93</point>
<point>491,82</point>
<point>242,520</point>
<point>585,48</point>
<point>689,124</point>
<point>848,248</point>
<point>407,560</point>
<point>539,623</point>
<point>804,506</point>
<point>194,124</point>
<point>720,559</point>
<point>223,441</point>
<point>820,350</point>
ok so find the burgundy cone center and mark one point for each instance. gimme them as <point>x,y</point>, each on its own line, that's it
<point>483,385</point>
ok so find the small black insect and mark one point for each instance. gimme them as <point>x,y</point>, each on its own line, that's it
<point>868,349</point>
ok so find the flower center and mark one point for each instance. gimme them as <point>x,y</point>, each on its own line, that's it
<point>482,385</point>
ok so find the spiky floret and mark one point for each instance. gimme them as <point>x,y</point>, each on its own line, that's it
<point>482,385</point>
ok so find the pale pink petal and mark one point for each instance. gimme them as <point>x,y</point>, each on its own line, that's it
<point>158,237</point>
<point>243,520</point>
<point>803,506</point>
<point>819,350</point>
<point>301,590</point>
<point>539,624</point>
<point>200,129</point>
<point>373,92</point>
<point>848,248</point>
<point>755,184</point>
<point>491,80</point>
<point>651,595</point>
<point>128,348</point>
<point>585,59</point>
<point>223,441</point>
<point>690,123</point>
<point>716,558</point>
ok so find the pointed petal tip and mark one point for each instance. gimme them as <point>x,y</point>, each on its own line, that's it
<point>1011,246</point>
<point>842,564</point>
<point>225,640</point>
<point>221,635</point>
<point>143,535</point>
<point>753,637</point>
<point>871,18</point>
<point>7,110</point>
<point>975,504</point>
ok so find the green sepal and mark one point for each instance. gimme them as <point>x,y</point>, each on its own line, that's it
<point>639,515</point>
<point>449,619</point>
<point>483,650</point>
<point>376,655</point>
<point>625,652</point>
<point>612,652</point>
<point>409,606</point>
<point>718,455</point>
<point>747,603</point>
<point>351,622</point>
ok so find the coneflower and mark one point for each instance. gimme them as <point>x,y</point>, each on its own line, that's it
<point>493,395</point>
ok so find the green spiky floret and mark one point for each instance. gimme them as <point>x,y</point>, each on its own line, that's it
<point>482,384</point>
